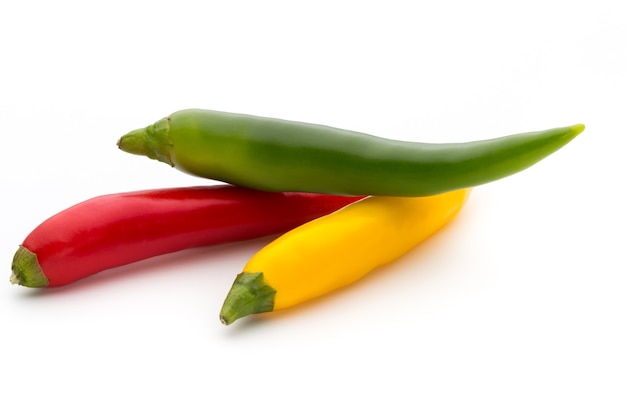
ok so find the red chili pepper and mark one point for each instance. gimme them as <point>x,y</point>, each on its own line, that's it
<point>117,229</point>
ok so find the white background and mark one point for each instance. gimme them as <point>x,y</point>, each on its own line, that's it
<point>517,308</point>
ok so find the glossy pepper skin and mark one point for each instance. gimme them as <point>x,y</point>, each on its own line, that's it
<point>335,250</point>
<point>117,229</point>
<point>279,155</point>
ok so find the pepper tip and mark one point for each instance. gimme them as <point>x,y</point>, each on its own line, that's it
<point>578,128</point>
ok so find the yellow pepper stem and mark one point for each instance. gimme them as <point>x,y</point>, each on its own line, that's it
<point>249,294</point>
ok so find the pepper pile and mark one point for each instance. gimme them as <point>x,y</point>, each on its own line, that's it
<point>343,203</point>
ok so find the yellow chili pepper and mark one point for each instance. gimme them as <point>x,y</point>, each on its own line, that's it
<point>336,250</point>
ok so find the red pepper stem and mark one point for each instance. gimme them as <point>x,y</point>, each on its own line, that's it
<point>26,270</point>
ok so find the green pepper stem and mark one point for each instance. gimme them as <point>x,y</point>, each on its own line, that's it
<point>250,294</point>
<point>152,141</point>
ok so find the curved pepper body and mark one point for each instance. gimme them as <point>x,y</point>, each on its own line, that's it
<point>335,250</point>
<point>279,155</point>
<point>117,229</point>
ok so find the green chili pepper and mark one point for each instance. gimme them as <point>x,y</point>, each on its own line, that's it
<point>278,155</point>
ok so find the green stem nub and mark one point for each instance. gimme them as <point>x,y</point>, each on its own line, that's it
<point>26,270</point>
<point>152,141</point>
<point>250,294</point>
